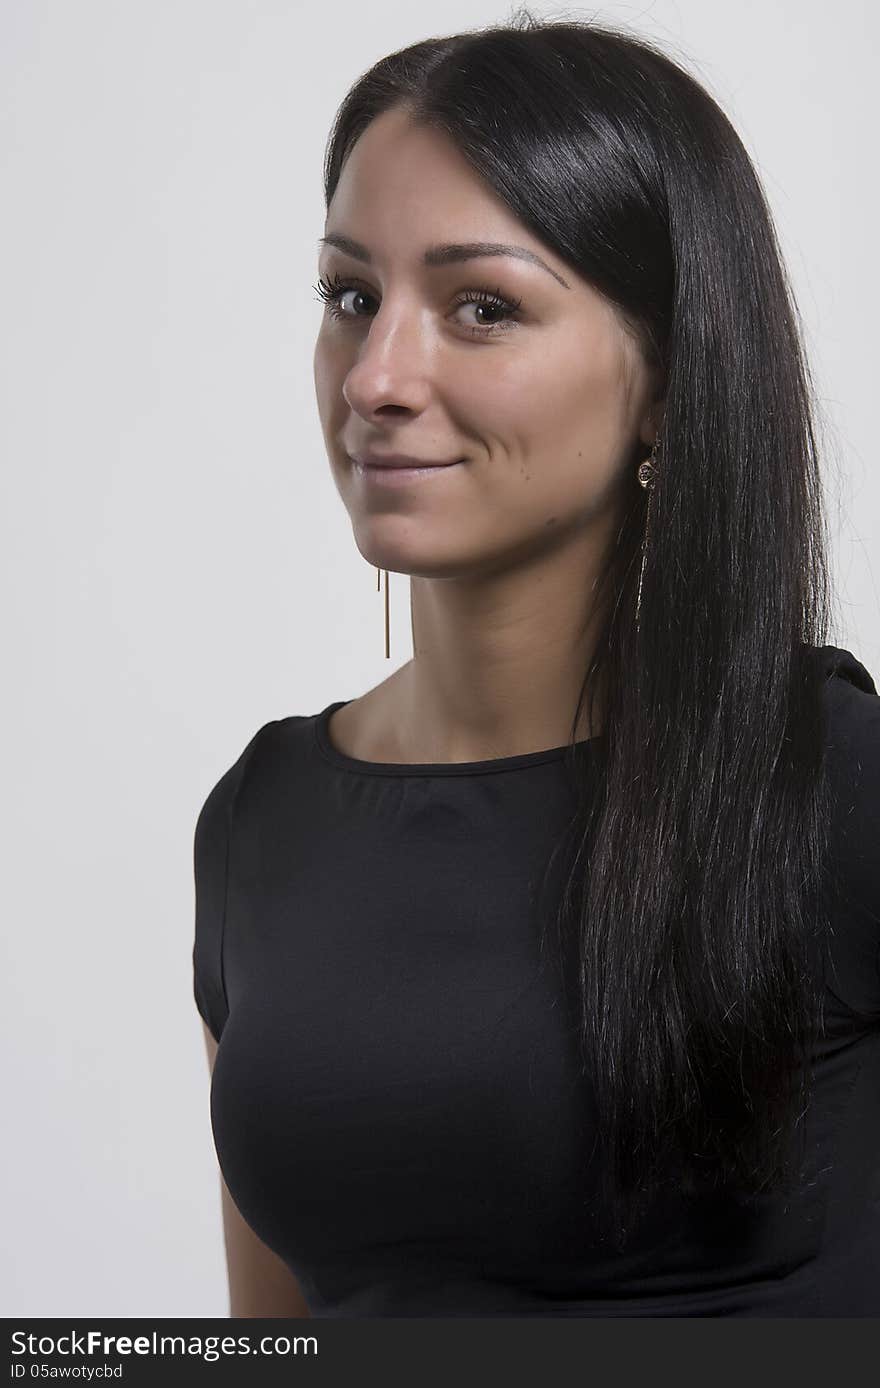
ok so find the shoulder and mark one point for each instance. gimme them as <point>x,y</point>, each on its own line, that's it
<point>277,759</point>
<point>851,710</point>
<point>224,790</point>
<point>850,698</point>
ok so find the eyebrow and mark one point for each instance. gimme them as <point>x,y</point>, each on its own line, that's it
<point>446,255</point>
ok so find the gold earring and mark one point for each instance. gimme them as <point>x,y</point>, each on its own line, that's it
<point>379,573</point>
<point>647,476</point>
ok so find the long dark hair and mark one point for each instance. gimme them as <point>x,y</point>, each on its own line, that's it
<point>692,900</point>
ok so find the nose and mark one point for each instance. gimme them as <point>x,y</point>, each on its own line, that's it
<point>394,366</point>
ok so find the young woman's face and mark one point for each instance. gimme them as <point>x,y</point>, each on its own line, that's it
<point>541,408</point>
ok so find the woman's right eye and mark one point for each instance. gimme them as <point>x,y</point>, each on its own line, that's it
<point>332,292</point>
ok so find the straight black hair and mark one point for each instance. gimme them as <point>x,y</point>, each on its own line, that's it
<point>691,907</point>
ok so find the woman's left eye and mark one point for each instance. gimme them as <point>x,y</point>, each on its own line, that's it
<point>331,293</point>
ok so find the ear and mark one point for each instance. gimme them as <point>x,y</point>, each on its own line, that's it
<point>651,423</point>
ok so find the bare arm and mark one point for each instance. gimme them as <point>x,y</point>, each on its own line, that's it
<point>260,1283</point>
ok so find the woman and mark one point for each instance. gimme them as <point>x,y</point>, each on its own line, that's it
<point>545,972</point>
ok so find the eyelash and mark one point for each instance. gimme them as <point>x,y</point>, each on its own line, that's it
<point>330,292</point>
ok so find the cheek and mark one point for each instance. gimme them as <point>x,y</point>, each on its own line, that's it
<point>322,359</point>
<point>555,417</point>
<point>329,378</point>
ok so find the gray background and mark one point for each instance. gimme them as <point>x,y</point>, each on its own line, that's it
<point>178,567</point>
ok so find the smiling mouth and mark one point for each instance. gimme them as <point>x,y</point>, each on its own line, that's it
<point>388,474</point>
<point>397,460</point>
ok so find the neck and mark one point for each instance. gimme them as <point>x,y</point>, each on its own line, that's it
<point>499,659</point>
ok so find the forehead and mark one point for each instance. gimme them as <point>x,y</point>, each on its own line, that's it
<point>408,183</point>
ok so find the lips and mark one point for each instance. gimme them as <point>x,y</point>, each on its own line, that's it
<point>397,460</point>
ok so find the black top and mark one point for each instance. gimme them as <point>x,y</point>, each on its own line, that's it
<point>395,1102</point>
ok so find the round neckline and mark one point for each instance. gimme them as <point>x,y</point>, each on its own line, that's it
<point>487,766</point>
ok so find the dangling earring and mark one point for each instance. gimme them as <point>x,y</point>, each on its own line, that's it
<point>647,476</point>
<point>379,573</point>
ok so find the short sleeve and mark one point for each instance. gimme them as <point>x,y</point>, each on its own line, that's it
<point>213,832</point>
<point>854,764</point>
